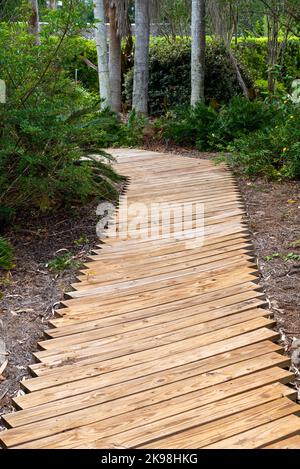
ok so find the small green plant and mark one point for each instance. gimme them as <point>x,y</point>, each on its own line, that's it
<point>6,254</point>
<point>272,256</point>
<point>132,132</point>
<point>81,241</point>
<point>63,262</point>
<point>291,256</point>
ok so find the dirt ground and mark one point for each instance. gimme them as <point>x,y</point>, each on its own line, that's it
<point>273,210</point>
<point>31,292</point>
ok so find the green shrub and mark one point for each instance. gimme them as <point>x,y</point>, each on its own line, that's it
<point>169,83</point>
<point>273,152</point>
<point>253,53</point>
<point>240,118</point>
<point>6,254</point>
<point>47,126</point>
<point>131,132</point>
<point>189,126</point>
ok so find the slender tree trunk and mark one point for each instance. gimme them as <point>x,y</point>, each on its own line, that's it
<point>238,73</point>
<point>141,57</point>
<point>34,21</point>
<point>114,62</point>
<point>273,31</point>
<point>101,45</point>
<point>198,51</point>
<point>52,4</point>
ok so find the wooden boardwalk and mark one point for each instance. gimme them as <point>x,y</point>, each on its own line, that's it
<point>163,343</point>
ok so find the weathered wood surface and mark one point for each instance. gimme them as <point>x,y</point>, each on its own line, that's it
<point>164,343</point>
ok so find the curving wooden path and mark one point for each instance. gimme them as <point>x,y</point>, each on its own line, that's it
<point>163,343</point>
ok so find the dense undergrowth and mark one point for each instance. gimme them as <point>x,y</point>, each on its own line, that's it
<point>261,137</point>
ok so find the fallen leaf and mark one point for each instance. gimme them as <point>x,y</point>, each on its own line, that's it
<point>291,201</point>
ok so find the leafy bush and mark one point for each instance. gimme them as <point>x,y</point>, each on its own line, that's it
<point>189,126</point>
<point>131,132</point>
<point>6,254</point>
<point>252,52</point>
<point>240,118</point>
<point>47,126</point>
<point>273,152</point>
<point>208,129</point>
<point>170,72</point>
<point>169,83</point>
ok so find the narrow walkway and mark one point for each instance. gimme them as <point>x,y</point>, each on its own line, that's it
<point>164,343</point>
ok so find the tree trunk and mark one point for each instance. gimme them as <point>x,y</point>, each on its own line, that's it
<point>101,46</point>
<point>141,57</point>
<point>34,21</point>
<point>198,51</point>
<point>273,32</point>
<point>52,4</point>
<point>114,62</point>
<point>238,73</point>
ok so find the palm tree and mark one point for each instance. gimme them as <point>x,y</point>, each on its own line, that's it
<point>198,51</point>
<point>141,56</point>
<point>34,25</point>
<point>101,46</point>
<point>119,27</point>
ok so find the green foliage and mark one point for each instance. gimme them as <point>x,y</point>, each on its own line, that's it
<point>189,126</point>
<point>132,132</point>
<point>253,53</point>
<point>261,137</point>
<point>273,151</point>
<point>272,256</point>
<point>291,256</point>
<point>75,51</point>
<point>239,118</point>
<point>169,83</point>
<point>63,262</point>
<point>49,127</point>
<point>6,254</point>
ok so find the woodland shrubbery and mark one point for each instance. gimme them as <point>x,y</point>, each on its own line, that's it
<point>262,137</point>
<point>48,124</point>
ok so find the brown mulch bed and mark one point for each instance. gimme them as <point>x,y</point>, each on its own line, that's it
<point>273,210</point>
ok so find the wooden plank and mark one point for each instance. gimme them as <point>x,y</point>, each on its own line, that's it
<point>149,329</point>
<point>153,371</point>
<point>177,391</point>
<point>256,438</point>
<point>292,442</point>
<point>66,372</point>
<point>204,435</point>
<point>144,318</point>
<point>137,385</point>
<point>88,436</point>
<point>111,347</point>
